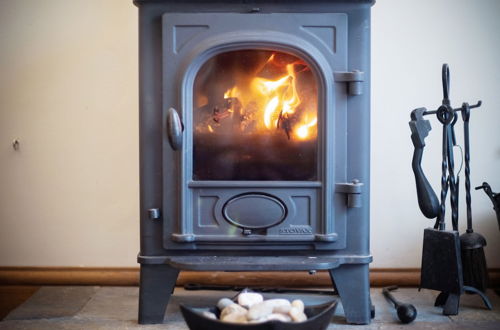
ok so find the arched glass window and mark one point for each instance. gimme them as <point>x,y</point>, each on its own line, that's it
<point>255,117</point>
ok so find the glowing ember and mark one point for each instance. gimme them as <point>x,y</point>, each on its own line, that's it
<point>302,131</point>
<point>232,92</point>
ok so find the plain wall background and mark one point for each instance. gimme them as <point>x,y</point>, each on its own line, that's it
<point>69,93</point>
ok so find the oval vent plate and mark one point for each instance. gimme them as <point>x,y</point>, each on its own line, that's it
<point>254,211</point>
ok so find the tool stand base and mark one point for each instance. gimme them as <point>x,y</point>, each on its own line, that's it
<point>451,301</point>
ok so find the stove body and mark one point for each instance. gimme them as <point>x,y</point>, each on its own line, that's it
<point>254,143</point>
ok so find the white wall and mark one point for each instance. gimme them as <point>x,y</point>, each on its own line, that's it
<point>411,40</point>
<point>68,92</point>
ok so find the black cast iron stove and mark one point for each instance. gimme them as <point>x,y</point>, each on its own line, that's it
<point>254,143</point>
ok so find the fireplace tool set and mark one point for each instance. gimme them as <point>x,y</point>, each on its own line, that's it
<point>451,263</point>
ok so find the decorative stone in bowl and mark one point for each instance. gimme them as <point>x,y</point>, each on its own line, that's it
<point>318,318</point>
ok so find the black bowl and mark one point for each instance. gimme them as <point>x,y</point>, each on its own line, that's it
<point>318,318</point>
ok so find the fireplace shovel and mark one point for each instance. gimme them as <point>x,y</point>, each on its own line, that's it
<point>441,262</point>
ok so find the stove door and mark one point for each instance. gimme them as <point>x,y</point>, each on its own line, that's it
<point>255,130</point>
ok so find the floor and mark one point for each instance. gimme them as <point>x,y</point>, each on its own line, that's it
<point>12,296</point>
<point>86,307</point>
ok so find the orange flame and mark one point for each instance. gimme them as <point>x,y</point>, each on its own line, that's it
<point>302,132</point>
<point>232,92</point>
<point>281,96</point>
<point>278,99</point>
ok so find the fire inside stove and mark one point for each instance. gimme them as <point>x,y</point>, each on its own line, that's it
<point>255,118</point>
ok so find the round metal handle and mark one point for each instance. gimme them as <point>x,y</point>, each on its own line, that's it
<point>174,129</point>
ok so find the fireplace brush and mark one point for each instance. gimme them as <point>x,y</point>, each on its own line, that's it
<point>471,243</point>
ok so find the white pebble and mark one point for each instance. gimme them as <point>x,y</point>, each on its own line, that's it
<point>278,317</point>
<point>259,311</point>
<point>223,303</point>
<point>277,302</point>
<point>235,318</point>
<point>209,315</point>
<point>297,315</point>
<point>284,309</point>
<point>248,299</point>
<point>232,309</point>
<point>299,304</point>
<point>262,320</point>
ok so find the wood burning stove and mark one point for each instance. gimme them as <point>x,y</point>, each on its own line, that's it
<point>254,137</point>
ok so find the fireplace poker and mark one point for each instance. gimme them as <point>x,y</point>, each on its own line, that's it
<point>406,312</point>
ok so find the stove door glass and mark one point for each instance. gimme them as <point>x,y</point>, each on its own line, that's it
<point>255,118</point>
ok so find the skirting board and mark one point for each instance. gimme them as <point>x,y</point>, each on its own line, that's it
<point>130,277</point>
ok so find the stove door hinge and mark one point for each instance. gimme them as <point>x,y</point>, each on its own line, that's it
<point>353,191</point>
<point>154,214</point>
<point>353,79</point>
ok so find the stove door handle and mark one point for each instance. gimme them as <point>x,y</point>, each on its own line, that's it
<point>174,129</point>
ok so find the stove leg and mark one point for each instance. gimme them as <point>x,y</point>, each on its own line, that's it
<point>157,283</point>
<point>353,285</point>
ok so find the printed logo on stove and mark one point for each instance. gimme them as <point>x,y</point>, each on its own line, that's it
<point>295,231</point>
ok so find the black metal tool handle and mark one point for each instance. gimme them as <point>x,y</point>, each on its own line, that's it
<point>445,115</point>
<point>466,117</point>
<point>445,77</point>
<point>406,312</point>
<point>444,167</point>
<point>453,180</point>
<point>427,199</point>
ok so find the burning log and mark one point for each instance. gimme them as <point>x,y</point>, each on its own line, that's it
<point>285,122</point>
<point>219,115</point>
<point>249,117</point>
<point>231,106</point>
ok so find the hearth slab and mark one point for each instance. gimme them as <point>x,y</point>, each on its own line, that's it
<point>53,301</point>
<point>116,308</point>
<point>254,263</point>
